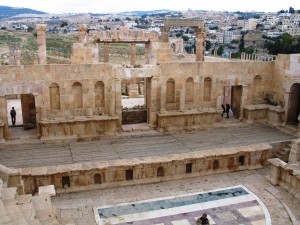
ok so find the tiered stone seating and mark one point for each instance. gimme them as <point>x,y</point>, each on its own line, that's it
<point>12,207</point>
<point>43,209</point>
<point>4,218</point>
<point>25,209</point>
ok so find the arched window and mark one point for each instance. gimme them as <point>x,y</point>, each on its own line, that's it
<point>99,94</point>
<point>160,172</point>
<point>97,178</point>
<point>257,87</point>
<point>207,89</point>
<point>77,95</point>
<point>54,93</point>
<point>170,92</point>
<point>189,90</point>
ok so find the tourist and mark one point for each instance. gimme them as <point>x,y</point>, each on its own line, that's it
<point>223,107</point>
<point>227,110</point>
<point>202,220</point>
<point>13,115</point>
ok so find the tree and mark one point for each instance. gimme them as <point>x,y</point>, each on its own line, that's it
<point>208,45</point>
<point>286,44</point>
<point>185,38</point>
<point>242,43</point>
<point>291,10</point>
<point>63,24</point>
<point>128,19</point>
<point>220,50</point>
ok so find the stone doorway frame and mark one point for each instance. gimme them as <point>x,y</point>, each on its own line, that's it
<point>287,99</point>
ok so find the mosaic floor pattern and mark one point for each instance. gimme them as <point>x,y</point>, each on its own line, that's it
<point>235,206</point>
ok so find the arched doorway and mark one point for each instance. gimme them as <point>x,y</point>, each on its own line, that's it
<point>294,104</point>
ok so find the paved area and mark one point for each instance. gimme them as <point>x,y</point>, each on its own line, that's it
<point>150,143</point>
<point>234,205</point>
<point>80,206</point>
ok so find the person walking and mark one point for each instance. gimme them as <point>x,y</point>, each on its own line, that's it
<point>223,107</point>
<point>13,116</point>
<point>227,110</point>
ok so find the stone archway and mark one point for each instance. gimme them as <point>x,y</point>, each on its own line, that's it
<point>293,109</point>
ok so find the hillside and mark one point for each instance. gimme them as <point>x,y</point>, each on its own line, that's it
<point>6,11</point>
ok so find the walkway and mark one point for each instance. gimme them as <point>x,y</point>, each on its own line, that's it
<point>142,144</point>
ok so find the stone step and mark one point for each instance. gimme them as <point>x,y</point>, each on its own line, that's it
<point>14,212</point>
<point>26,206</point>
<point>43,208</point>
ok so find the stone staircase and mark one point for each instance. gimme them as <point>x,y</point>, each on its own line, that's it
<point>25,209</point>
<point>283,152</point>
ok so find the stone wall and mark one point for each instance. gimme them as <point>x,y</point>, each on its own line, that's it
<point>93,175</point>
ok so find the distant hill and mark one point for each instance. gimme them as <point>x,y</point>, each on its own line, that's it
<point>6,11</point>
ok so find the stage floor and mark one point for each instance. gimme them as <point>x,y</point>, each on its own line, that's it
<point>234,205</point>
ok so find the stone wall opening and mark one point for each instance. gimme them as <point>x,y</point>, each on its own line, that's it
<point>216,165</point>
<point>65,181</point>
<point>160,172</point>
<point>14,101</point>
<point>293,110</point>
<point>129,174</point>
<point>188,168</point>
<point>236,100</point>
<point>97,178</point>
<point>241,160</point>
<point>134,100</point>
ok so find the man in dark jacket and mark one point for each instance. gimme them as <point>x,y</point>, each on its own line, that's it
<point>13,115</point>
<point>203,220</point>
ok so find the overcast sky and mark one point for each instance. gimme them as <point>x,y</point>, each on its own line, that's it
<point>85,6</point>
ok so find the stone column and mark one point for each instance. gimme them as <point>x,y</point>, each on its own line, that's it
<point>106,52</point>
<point>41,41</point>
<point>147,53</point>
<point>294,156</point>
<point>200,45</point>
<point>163,90</point>
<point>133,54</point>
<point>95,52</point>
<point>182,101</point>
<point>112,107</point>
<point>164,33</point>
<point>82,33</point>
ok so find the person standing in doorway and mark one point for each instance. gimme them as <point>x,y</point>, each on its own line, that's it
<point>203,220</point>
<point>227,110</point>
<point>13,115</point>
